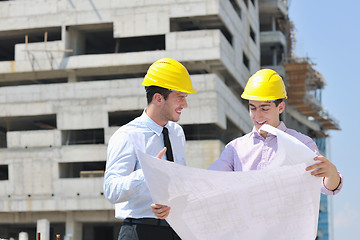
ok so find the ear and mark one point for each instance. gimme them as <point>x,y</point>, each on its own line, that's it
<point>281,107</point>
<point>157,98</point>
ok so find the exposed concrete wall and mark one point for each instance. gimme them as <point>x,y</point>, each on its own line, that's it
<point>151,20</point>
<point>127,18</point>
<point>198,154</point>
<point>37,153</point>
<point>58,216</point>
<point>35,158</point>
<point>42,138</point>
<point>273,37</point>
<point>84,105</point>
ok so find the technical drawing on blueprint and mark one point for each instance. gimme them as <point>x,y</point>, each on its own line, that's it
<point>279,202</point>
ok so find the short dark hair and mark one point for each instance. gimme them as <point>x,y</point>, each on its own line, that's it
<point>278,101</point>
<point>151,90</point>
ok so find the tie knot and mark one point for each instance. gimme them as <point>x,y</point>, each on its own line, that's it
<point>165,131</point>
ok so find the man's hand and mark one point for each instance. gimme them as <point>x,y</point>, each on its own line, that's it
<point>325,169</point>
<point>160,211</point>
<point>161,153</point>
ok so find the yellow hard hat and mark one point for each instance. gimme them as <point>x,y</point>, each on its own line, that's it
<point>170,74</point>
<point>264,85</point>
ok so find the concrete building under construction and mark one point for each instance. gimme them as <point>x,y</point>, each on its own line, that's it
<point>71,73</point>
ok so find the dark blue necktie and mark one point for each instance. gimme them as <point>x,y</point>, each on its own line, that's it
<point>169,153</point>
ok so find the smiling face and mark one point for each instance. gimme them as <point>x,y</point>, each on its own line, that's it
<point>265,113</point>
<point>172,106</point>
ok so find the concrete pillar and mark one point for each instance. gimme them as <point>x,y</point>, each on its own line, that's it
<point>43,227</point>
<point>23,236</point>
<point>75,40</point>
<point>273,23</point>
<point>274,63</point>
<point>274,50</point>
<point>72,76</point>
<point>73,229</point>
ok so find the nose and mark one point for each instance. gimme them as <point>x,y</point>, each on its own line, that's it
<point>184,104</point>
<point>257,115</point>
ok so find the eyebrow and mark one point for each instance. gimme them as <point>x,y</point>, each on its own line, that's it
<point>262,105</point>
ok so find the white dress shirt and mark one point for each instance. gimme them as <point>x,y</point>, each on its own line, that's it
<point>124,183</point>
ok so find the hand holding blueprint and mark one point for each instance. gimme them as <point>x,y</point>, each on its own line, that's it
<point>279,202</point>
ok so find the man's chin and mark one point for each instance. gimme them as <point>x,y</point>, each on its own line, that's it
<point>175,119</point>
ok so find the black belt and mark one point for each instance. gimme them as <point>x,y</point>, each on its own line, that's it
<point>147,221</point>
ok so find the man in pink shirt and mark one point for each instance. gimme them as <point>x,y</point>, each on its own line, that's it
<point>265,91</point>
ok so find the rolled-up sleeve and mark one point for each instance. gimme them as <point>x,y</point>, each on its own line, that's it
<point>326,191</point>
<point>311,144</point>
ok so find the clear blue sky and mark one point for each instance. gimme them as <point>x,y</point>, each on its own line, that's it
<point>328,32</point>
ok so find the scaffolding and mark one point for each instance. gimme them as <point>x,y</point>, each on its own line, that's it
<point>46,50</point>
<point>304,83</point>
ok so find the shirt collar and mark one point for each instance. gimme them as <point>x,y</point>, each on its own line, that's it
<point>156,128</point>
<point>281,127</point>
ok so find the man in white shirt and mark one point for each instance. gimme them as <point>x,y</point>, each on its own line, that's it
<point>167,85</point>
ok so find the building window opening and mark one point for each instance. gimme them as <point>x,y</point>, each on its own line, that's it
<point>3,140</point>
<point>246,61</point>
<point>111,77</point>
<point>34,81</point>
<point>87,136</point>
<point>99,42</point>
<point>4,172</point>
<point>140,44</point>
<point>266,22</point>
<point>102,42</point>
<point>25,123</point>
<point>200,23</point>
<point>246,3</point>
<point>212,132</point>
<point>11,231</point>
<point>266,59</point>
<point>8,42</point>
<point>97,230</point>
<point>82,169</point>
<point>252,34</point>
<point>236,7</point>
<point>120,118</point>
<point>198,71</point>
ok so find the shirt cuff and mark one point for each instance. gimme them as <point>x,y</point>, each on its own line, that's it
<point>336,190</point>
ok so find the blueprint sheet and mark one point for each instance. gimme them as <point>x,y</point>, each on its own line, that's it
<point>279,202</point>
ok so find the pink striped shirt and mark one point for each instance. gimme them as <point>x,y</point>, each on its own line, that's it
<point>253,152</point>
